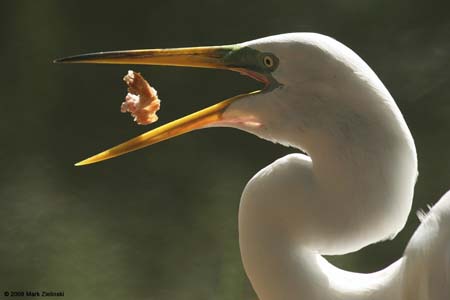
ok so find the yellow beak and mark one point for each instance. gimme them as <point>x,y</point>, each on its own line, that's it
<point>204,57</point>
<point>200,57</point>
<point>197,120</point>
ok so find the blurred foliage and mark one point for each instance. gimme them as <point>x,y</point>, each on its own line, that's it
<point>161,223</point>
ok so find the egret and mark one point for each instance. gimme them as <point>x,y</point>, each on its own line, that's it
<point>353,187</point>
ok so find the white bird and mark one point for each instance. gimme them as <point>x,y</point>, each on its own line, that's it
<point>353,188</point>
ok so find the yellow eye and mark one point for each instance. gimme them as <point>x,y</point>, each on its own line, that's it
<point>268,61</point>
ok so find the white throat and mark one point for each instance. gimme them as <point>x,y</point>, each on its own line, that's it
<point>355,188</point>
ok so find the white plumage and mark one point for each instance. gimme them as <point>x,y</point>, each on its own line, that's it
<point>353,188</point>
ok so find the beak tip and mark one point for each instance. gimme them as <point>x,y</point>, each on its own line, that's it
<point>62,60</point>
<point>82,163</point>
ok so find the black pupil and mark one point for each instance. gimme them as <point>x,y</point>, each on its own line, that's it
<point>268,61</point>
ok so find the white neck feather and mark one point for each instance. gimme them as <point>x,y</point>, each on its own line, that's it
<point>355,187</point>
<point>356,190</point>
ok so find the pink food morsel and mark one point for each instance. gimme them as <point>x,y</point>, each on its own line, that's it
<point>141,101</point>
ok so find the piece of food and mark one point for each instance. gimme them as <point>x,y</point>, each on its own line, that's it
<point>141,101</point>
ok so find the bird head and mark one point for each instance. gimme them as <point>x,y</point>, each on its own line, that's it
<point>301,73</point>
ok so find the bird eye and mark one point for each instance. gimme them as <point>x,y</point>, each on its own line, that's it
<point>268,61</point>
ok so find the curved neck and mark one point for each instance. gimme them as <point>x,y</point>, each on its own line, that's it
<point>364,190</point>
<point>280,269</point>
<point>355,189</point>
<point>296,209</point>
<point>274,269</point>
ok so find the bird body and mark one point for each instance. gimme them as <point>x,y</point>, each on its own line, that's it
<point>426,270</point>
<point>354,186</point>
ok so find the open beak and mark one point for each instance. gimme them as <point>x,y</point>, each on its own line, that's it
<point>218,57</point>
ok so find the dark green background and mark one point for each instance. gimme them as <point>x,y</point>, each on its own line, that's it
<point>161,223</point>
